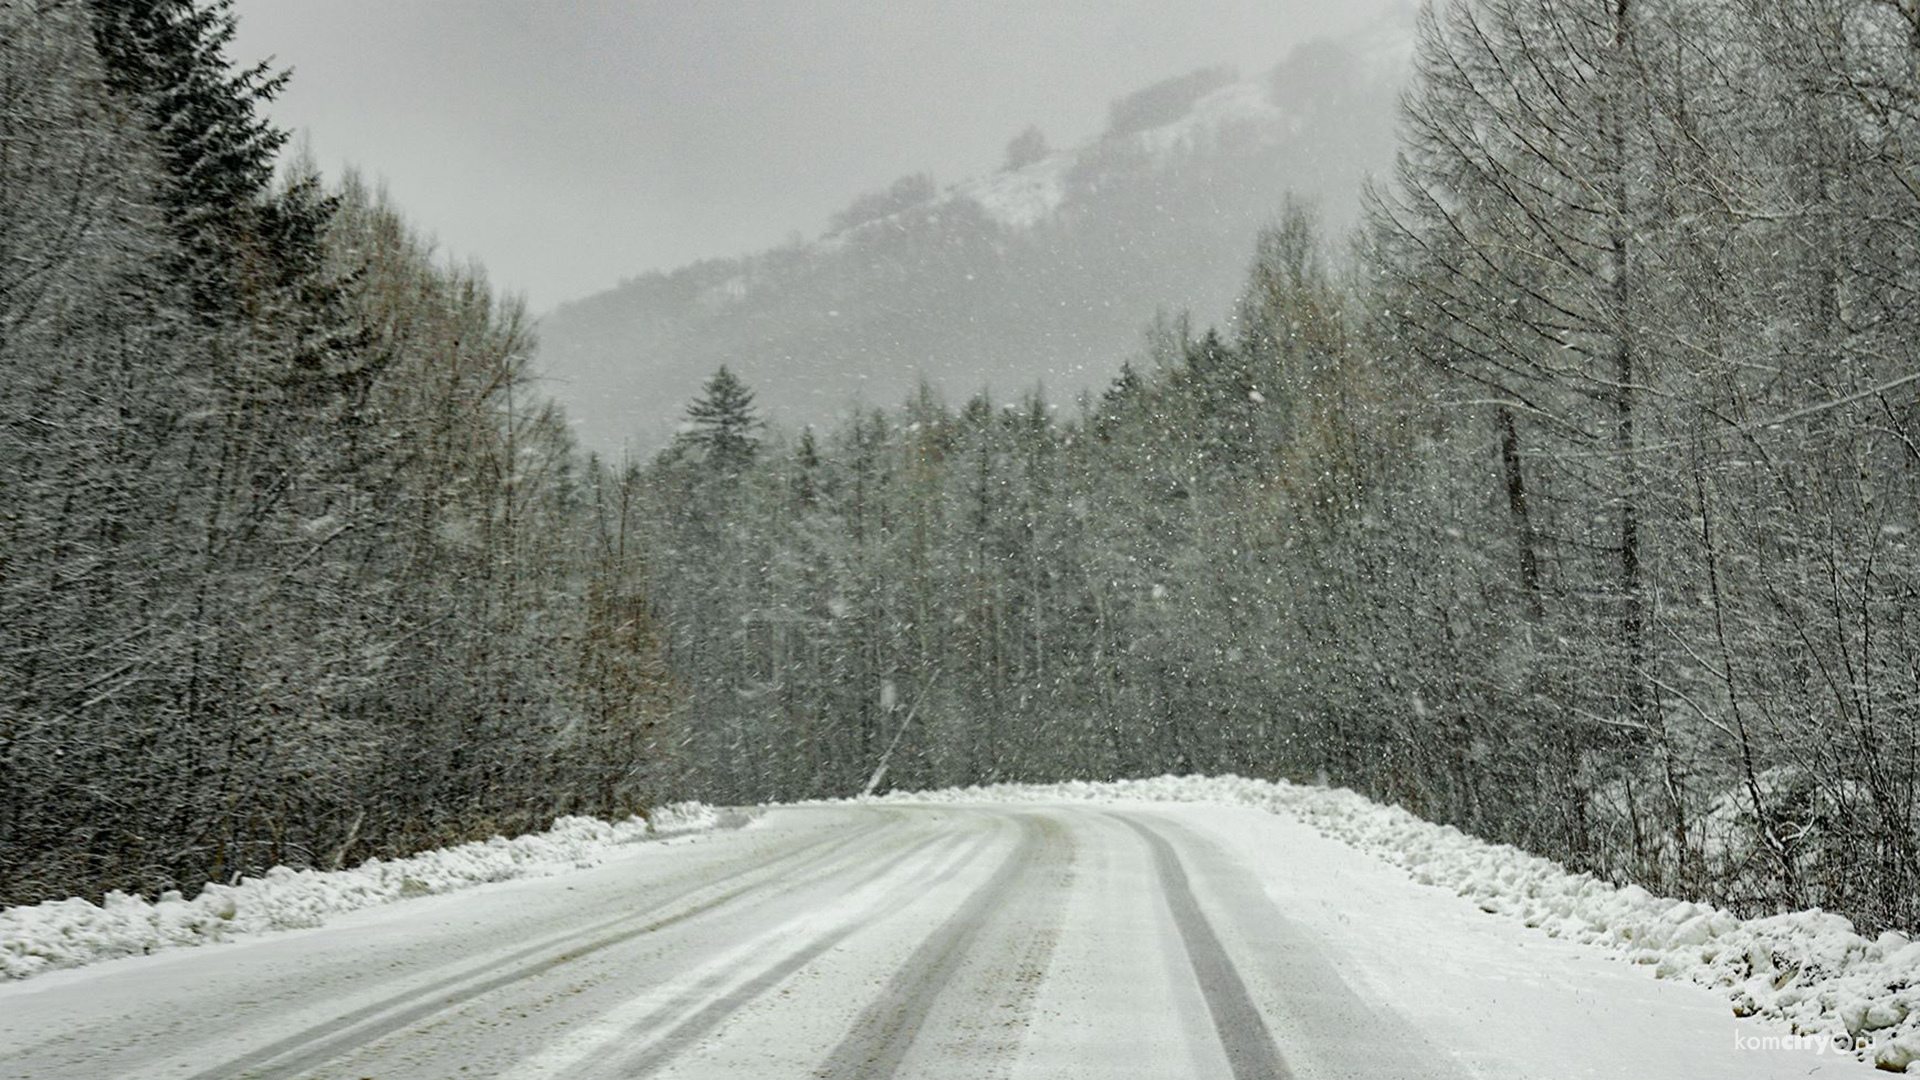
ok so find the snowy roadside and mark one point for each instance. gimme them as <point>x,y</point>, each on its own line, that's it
<point>1808,968</point>
<point>68,933</point>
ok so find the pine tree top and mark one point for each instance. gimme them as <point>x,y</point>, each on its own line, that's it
<point>722,420</point>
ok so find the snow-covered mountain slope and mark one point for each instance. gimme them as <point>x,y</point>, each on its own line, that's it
<point>1041,273</point>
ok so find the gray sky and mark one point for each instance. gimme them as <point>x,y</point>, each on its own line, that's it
<point>570,143</point>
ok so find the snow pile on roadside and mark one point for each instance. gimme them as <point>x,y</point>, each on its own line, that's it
<point>68,933</point>
<point>687,817</point>
<point>1807,968</point>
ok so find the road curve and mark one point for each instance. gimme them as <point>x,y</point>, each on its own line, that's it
<point>869,942</point>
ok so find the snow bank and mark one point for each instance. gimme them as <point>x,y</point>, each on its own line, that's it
<point>1806,968</point>
<point>68,933</point>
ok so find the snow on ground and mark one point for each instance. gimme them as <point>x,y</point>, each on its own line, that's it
<point>1021,198</point>
<point>1808,969</point>
<point>1235,103</point>
<point>68,933</point>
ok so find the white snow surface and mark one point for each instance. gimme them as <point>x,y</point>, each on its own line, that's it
<point>1236,103</point>
<point>1809,969</point>
<point>1020,198</point>
<point>68,933</point>
<point>1026,940</point>
<point>1026,197</point>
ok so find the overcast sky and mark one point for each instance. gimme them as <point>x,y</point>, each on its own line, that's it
<point>570,143</point>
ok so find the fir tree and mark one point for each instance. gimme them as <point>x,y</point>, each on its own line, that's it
<point>168,57</point>
<point>722,422</point>
<point>806,490</point>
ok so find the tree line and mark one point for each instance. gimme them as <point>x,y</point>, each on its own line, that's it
<point>1572,501</point>
<point>296,564</point>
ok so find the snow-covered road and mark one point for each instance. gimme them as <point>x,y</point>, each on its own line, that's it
<point>911,941</point>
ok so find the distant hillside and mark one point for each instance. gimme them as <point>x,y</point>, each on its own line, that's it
<point>1041,273</point>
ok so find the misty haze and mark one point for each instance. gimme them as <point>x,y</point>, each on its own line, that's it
<point>829,538</point>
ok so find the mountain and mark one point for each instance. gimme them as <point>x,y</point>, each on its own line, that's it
<point>1041,273</point>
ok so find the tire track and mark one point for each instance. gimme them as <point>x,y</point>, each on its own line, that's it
<point>884,1033</point>
<point>294,1055</point>
<point>689,1031</point>
<point>983,1021</point>
<point>1243,1033</point>
<point>1317,1023</point>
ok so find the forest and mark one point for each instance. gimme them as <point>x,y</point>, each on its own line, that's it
<point>295,565</point>
<point>1570,499</point>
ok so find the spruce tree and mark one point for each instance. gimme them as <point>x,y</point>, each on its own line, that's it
<point>168,58</point>
<point>722,422</point>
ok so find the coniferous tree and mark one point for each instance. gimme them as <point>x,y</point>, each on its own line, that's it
<point>722,423</point>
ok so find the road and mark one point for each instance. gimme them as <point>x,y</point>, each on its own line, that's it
<point>894,940</point>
